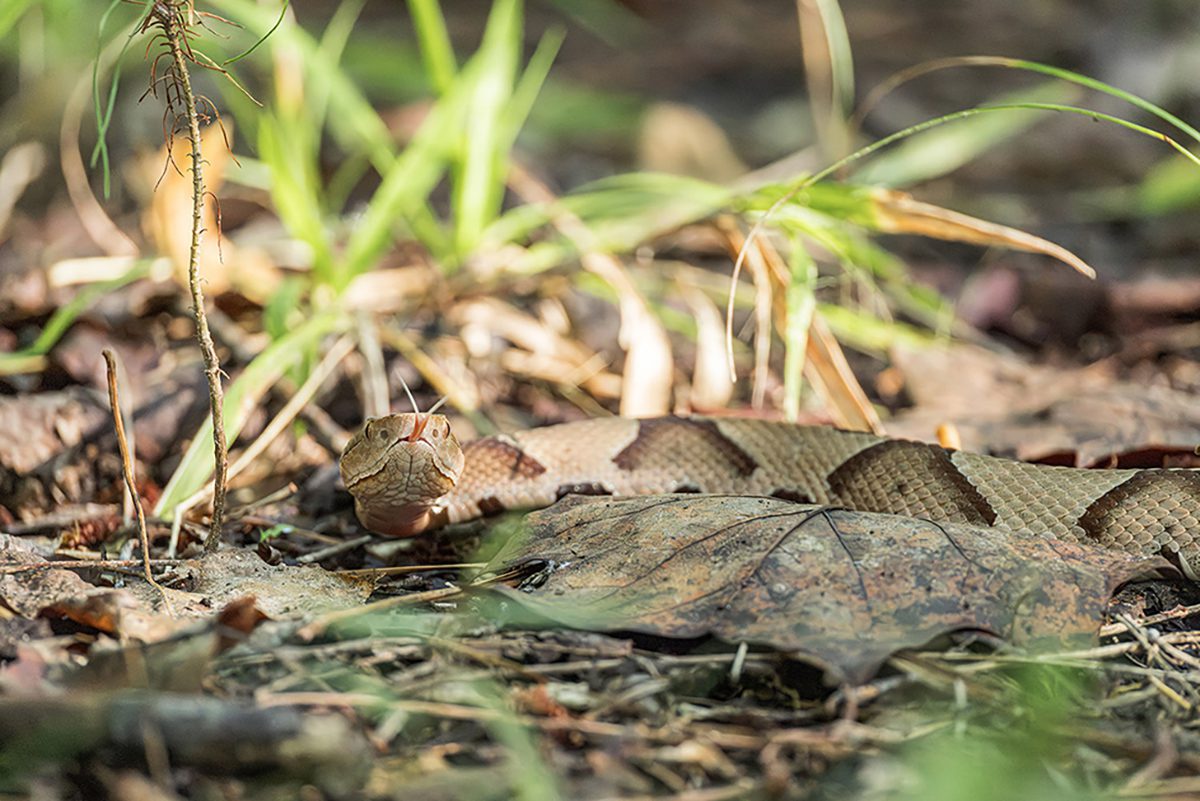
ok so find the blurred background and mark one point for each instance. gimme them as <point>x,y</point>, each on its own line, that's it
<point>712,91</point>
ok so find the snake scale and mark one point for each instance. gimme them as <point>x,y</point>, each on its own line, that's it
<point>408,474</point>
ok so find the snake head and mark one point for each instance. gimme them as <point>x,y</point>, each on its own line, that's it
<point>397,467</point>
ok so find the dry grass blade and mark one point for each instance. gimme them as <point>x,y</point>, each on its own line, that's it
<point>130,483</point>
<point>460,389</point>
<point>711,387</point>
<point>828,371</point>
<point>828,71</point>
<point>763,305</point>
<point>649,366</point>
<point>374,376</point>
<point>900,213</point>
<point>540,352</point>
<point>825,364</point>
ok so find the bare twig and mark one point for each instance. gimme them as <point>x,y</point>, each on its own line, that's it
<point>334,550</point>
<point>171,18</point>
<point>127,469</point>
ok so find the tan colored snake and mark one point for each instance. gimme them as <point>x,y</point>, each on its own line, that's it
<point>408,474</point>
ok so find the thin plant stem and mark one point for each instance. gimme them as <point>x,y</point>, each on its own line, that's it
<point>127,470</point>
<point>212,366</point>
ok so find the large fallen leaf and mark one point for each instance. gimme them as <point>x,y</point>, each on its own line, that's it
<point>845,589</point>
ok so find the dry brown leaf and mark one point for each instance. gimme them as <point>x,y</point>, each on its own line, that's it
<point>649,366</point>
<point>900,213</point>
<point>846,589</point>
<point>58,593</point>
<point>1004,405</point>
<point>168,219</point>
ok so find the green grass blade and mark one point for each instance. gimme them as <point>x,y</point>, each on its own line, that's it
<point>353,122</point>
<point>241,395</point>
<point>865,332</point>
<point>104,111</point>
<point>261,39</point>
<point>65,315</point>
<point>11,12</point>
<point>285,149</point>
<point>801,302</point>
<point>836,133</point>
<point>406,185</point>
<point>480,165</point>
<point>970,112</point>
<point>899,79</point>
<point>332,45</point>
<point>626,210</point>
<point>942,150</point>
<point>520,106</point>
<point>436,50</point>
<point>1100,86</point>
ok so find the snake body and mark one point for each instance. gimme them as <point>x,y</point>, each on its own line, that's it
<point>408,474</point>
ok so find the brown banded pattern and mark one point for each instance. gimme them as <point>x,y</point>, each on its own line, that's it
<point>512,459</point>
<point>1151,508</point>
<point>661,440</point>
<point>909,478</point>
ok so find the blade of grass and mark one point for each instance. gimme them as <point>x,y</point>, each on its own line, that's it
<point>240,397</point>
<point>436,51</point>
<point>815,179</point>
<point>286,148</point>
<point>801,302</point>
<point>104,111</point>
<point>282,13</point>
<point>970,112</point>
<point>406,184</point>
<point>867,333</point>
<point>353,121</point>
<point>65,315</point>
<point>529,87</point>
<point>829,70</point>
<point>479,165</point>
<point>332,45</point>
<point>900,78</point>
<point>11,12</point>
<point>937,152</point>
<point>626,210</point>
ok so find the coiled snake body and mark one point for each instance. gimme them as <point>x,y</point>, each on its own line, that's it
<point>408,474</point>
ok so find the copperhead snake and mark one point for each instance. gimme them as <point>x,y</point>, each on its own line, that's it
<point>408,474</point>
